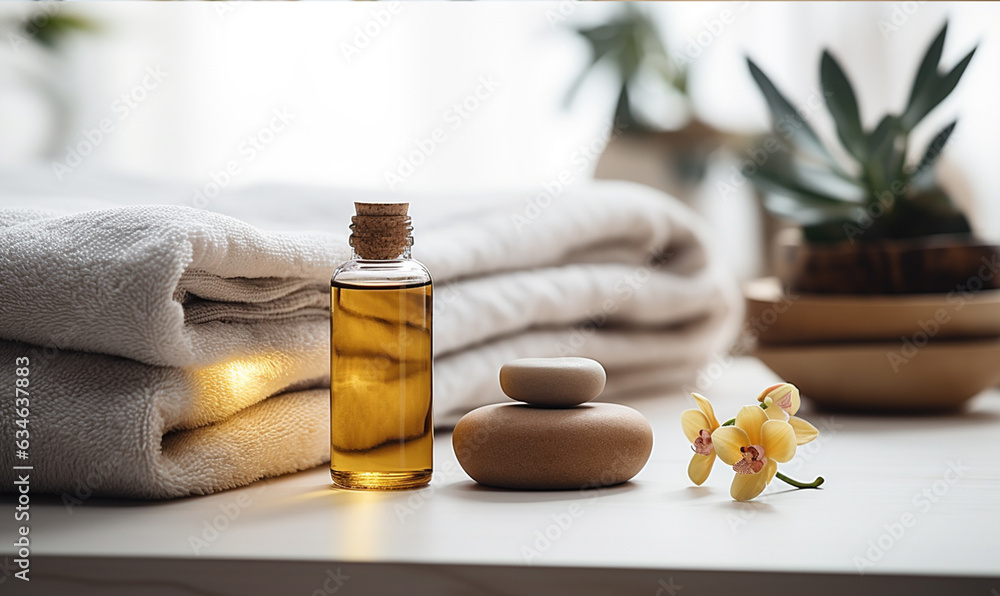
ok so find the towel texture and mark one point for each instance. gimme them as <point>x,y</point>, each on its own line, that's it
<point>178,351</point>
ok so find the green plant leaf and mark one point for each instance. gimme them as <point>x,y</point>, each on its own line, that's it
<point>782,181</point>
<point>934,93</point>
<point>805,193</point>
<point>886,155</point>
<point>950,80</point>
<point>602,38</point>
<point>604,41</point>
<point>879,137</point>
<point>805,212</point>
<point>51,29</point>
<point>785,115</point>
<point>843,105</point>
<point>623,112</point>
<point>795,175</point>
<point>922,172</point>
<point>623,45</point>
<point>830,205</point>
<point>927,72</point>
<point>892,163</point>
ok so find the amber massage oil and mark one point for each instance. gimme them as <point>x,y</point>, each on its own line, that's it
<point>381,383</point>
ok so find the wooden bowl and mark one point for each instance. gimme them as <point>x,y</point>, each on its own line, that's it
<point>778,318</point>
<point>888,376</point>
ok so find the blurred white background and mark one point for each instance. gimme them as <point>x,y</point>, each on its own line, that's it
<point>369,90</point>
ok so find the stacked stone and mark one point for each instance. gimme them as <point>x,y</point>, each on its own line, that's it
<point>553,439</point>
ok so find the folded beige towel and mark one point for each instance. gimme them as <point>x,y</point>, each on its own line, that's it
<point>183,352</point>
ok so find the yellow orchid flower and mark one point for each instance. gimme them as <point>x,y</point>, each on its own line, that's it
<point>784,395</point>
<point>698,427</point>
<point>753,447</point>
<point>782,401</point>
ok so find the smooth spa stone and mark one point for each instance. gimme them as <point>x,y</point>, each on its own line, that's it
<point>520,447</point>
<point>553,382</point>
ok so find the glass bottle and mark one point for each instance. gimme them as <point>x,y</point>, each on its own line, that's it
<point>381,382</point>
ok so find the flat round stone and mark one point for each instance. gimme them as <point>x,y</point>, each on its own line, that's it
<point>553,382</point>
<point>520,447</point>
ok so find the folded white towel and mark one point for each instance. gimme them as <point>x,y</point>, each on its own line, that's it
<point>160,334</point>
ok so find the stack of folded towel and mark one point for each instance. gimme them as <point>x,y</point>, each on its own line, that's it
<point>177,351</point>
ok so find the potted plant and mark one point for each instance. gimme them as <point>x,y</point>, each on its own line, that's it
<point>656,138</point>
<point>885,310</point>
<point>878,225</point>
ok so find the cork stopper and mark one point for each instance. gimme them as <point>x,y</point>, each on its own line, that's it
<point>380,230</point>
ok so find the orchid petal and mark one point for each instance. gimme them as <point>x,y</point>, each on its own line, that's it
<point>776,413</point>
<point>700,467</point>
<point>692,421</point>
<point>706,406</point>
<point>748,486</point>
<point>804,432</point>
<point>778,440</point>
<point>785,395</point>
<point>770,470</point>
<point>727,441</point>
<point>788,397</point>
<point>796,401</point>
<point>767,391</point>
<point>750,419</point>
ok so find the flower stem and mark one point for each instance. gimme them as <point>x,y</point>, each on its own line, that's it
<point>814,484</point>
<point>729,422</point>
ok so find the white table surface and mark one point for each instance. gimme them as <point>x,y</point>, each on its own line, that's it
<point>291,535</point>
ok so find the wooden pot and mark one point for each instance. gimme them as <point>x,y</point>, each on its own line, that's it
<point>932,264</point>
